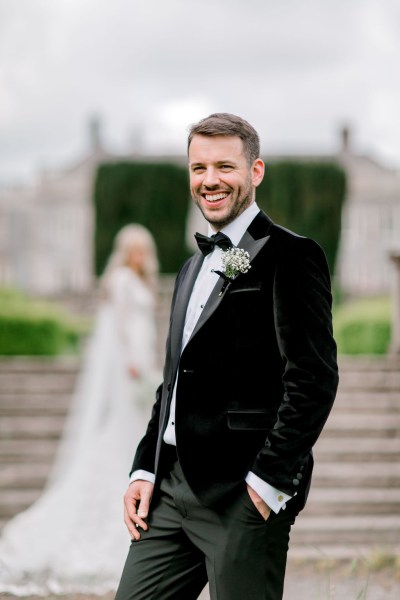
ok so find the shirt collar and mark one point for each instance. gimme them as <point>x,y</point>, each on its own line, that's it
<point>237,228</point>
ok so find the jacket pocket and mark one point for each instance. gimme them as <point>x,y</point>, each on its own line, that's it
<point>254,420</point>
<point>241,290</point>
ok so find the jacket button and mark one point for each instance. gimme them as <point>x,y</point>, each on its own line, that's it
<point>299,475</point>
<point>296,482</point>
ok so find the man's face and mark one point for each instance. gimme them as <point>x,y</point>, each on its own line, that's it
<point>222,183</point>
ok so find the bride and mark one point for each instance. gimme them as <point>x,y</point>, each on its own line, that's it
<point>73,539</point>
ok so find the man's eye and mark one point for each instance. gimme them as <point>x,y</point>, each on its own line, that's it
<point>198,169</point>
<point>226,167</point>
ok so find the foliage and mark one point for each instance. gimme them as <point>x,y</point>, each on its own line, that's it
<point>155,195</point>
<point>363,326</point>
<point>307,198</point>
<point>29,327</point>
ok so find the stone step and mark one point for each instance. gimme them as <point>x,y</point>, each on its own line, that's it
<point>39,456</point>
<point>40,365</point>
<point>390,362</point>
<point>24,476</point>
<point>28,383</point>
<point>346,363</point>
<point>342,424</point>
<point>21,427</point>
<point>356,364</point>
<point>33,451</point>
<point>14,501</point>
<point>343,417</point>
<point>353,501</point>
<point>372,380</point>
<point>325,553</point>
<point>362,449</point>
<point>367,401</point>
<point>347,529</point>
<point>351,403</point>
<point>354,474</point>
<point>34,404</point>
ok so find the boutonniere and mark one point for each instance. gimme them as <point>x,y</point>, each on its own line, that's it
<point>234,262</point>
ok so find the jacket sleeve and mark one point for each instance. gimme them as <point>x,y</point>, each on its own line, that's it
<point>146,450</point>
<point>303,323</point>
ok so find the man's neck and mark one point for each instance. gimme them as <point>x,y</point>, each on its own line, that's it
<point>236,228</point>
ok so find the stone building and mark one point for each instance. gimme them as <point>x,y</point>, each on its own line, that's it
<point>370,225</point>
<point>46,231</point>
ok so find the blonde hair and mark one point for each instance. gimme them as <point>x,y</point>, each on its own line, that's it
<point>126,239</point>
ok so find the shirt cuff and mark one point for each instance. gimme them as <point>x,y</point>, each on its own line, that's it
<point>141,474</point>
<point>275,499</point>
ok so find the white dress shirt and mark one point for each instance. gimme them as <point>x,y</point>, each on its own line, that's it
<point>202,289</point>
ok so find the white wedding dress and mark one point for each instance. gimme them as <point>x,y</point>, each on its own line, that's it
<point>73,538</point>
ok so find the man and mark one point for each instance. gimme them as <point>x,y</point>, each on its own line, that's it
<point>249,380</point>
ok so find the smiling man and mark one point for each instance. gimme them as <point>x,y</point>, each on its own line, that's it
<point>250,377</point>
<point>222,178</point>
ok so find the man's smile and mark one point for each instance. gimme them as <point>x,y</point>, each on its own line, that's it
<point>215,197</point>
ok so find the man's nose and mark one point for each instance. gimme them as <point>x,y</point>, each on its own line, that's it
<point>211,178</point>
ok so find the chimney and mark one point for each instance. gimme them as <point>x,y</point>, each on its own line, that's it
<point>345,135</point>
<point>95,135</point>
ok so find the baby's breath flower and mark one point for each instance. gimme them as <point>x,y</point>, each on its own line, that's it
<point>235,261</point>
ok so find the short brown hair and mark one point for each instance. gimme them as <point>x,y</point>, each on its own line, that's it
<point>227,124</point>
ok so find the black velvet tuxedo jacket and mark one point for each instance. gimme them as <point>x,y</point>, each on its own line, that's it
<point>258,377</point>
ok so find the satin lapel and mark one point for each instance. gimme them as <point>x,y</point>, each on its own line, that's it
<point>180,308</point>
<point>253,247</point>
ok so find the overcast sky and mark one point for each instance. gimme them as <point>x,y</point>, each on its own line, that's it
<point>298,70</point>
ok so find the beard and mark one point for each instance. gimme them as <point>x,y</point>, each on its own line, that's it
<point>237,205</point>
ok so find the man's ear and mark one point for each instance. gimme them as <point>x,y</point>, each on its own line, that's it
<point>257,172</point>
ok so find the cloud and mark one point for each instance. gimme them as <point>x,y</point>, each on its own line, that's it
<point>296,70</point>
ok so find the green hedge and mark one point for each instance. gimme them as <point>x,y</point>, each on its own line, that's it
<point>363,326</point>
<point>306,197</point>
<point>26,336</point>
<point>155,195</point>
<point>29,327</point>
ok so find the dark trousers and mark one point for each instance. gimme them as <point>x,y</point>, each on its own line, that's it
<point>241,555</point>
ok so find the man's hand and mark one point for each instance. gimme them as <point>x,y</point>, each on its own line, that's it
<point>137,501</point>
<point>259,503</point>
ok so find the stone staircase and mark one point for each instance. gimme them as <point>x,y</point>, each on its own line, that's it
<point>354,504</point>
<point>34,399</point>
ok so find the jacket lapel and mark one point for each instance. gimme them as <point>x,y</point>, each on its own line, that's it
<point>180,308</point>
<point>253,240</point>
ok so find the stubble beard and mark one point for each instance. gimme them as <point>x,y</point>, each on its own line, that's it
<point>236,208</point>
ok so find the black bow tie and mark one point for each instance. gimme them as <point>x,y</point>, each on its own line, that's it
<point>207,244</point>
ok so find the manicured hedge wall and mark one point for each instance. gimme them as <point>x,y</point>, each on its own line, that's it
<point>363,326</point>
<point>155,195</point>
<point>24,335</point>
<point>307,198</point>
<point>29,327</point>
